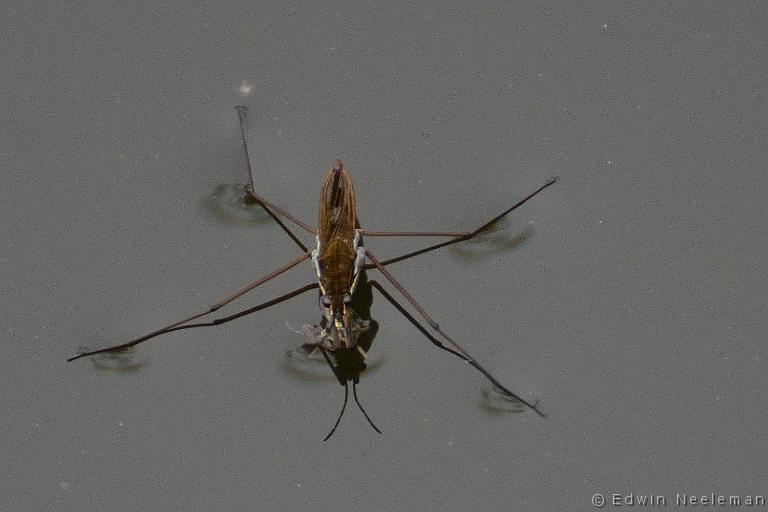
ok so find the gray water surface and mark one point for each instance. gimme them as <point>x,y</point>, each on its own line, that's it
<point>629,298</point>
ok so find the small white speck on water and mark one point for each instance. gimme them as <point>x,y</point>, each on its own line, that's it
<point>450,443</point>
<point>608,162</point>
<point>64,485</point>
<point>279,132</point>
<point>37,425</point>
<point>605,25</point>
<point>120,423</point>
<point>298,485</point>
<point>245,88</point>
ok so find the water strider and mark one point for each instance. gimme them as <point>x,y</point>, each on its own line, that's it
<point>340,261</point>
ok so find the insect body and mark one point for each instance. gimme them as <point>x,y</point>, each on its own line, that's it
<point>339,256</point>
<point>340,262</point>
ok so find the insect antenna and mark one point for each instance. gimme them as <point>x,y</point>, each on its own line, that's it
<point>354,394</point>
<point>343,382</point>
<point>344,406</point>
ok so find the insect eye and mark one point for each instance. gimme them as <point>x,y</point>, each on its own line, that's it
<point>347,299</point>
<point>325,301</point>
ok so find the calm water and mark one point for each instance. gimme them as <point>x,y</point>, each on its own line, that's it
<point>628,299</point>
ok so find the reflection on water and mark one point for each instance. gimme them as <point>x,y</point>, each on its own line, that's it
<point>312,361</point>
<point>495,402</point>
<point>494,241</point>
<point>123,361</point>
<point>232,204</point>
<point>307,362</point>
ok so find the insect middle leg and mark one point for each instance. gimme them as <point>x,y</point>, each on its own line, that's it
<point>458,237</point>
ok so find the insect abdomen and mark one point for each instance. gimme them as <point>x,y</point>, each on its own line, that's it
<point>337,261</point>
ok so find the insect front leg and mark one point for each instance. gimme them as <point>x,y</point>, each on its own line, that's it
<point>359,258</point>
<point>316,262</point>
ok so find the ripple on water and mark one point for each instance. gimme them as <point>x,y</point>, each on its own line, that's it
<point>232,204</point>
<point>127,360</point>
<point>495,402</point>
